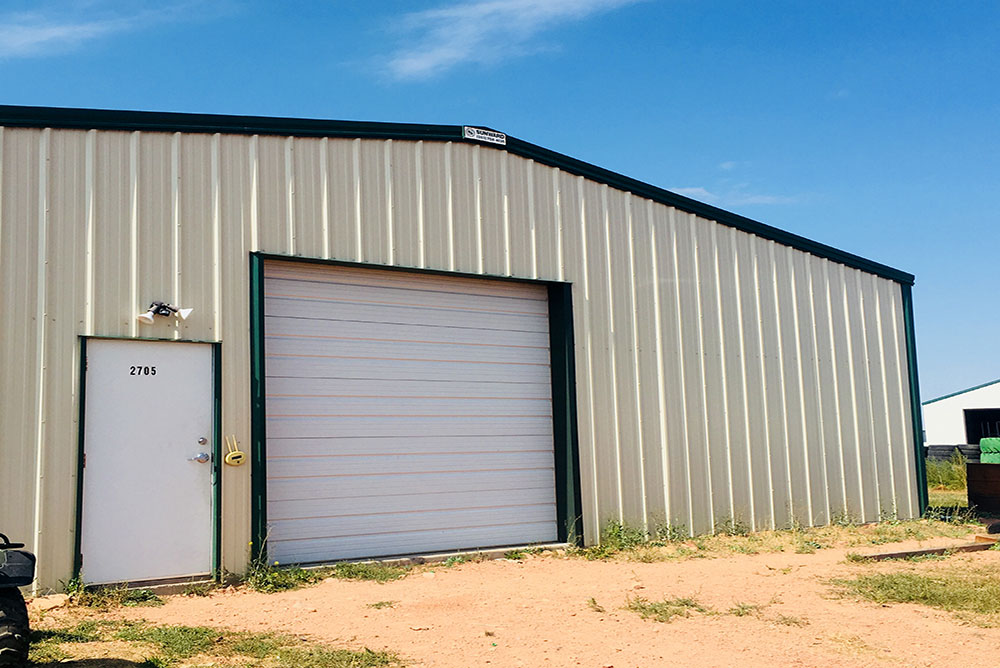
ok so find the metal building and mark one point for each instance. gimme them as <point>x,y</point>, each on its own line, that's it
<point>963,417</point>
<point>422,339</point>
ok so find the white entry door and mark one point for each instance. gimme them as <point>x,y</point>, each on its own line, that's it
<point>147,476</point>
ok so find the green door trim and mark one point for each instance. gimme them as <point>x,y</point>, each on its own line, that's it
<point>258,414</point>
<point>563,366</point>
<point>915,409</point>
<point>216,567</point>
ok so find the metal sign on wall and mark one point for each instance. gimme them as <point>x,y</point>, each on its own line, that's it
<point>488,136</point>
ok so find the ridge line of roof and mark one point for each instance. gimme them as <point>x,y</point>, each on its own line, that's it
<point>106,119</point>
<point>955,394</point>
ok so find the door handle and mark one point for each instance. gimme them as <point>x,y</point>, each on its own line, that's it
<point>201,457</point>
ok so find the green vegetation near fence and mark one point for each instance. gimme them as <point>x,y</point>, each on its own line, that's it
<point>619,541</point>
<point>946,482</point>
<point>947,473</point>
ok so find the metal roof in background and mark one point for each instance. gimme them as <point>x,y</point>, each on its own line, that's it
<point>965,391</point>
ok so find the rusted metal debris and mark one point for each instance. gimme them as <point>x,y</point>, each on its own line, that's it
<point>981,543</point>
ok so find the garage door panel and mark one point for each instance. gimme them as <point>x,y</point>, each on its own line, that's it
<point>287,366</point>
<point>402,296</point>
<point>397,522</point>
<point>387,445</point>
<point>374,504</point>
<point>411,542</point>
<point>405,415</point>
<point>367,277</point>
<point>392,350</point>
<point>411,464</point>
<point>349,329</point>
<point>379,314</point>
<point>431,407</point>
<point>395,387</point>
<point>358,487</point>
<point>320,427</point>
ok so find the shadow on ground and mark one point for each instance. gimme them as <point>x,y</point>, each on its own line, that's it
<point>93,663</point>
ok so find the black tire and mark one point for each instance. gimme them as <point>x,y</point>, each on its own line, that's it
<point>14,631</point>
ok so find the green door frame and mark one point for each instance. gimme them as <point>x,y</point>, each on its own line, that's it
<point>216,447</point>
<point>916,414</point>
<point>564,420</point>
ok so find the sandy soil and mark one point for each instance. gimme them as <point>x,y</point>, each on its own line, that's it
<point>538,613</point>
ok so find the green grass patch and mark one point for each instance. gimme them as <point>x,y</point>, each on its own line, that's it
<point>369,570</point>
<point>269,578</point>
<point>87,631</point>
<point>665,610</point>
<point>744,609</point>
<point>378,605</point>
<point>665,544</point>
<point>947,473</point>
<point>168,646</point>
<point>200,589</point>
<point>46,645</point>
<point>322,657</point>
<point>110,597</point>
<point>975,592</point>
<point>176,642</point>
<point>616,537</point>
<point>789,620</point>
<point>948,498</point>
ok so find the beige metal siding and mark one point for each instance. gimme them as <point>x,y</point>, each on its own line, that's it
<point>721,377</point>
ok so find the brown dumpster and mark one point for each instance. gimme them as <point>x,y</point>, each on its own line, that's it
<point>984,487</point>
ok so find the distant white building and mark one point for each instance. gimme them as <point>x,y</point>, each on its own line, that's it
<point>963,417</point>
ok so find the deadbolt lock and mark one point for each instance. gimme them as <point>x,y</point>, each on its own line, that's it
<point>235,458</point>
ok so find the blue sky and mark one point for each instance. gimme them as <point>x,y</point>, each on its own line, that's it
<point>870,126</point>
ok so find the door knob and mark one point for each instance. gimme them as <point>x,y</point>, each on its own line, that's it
<point>201,457</point>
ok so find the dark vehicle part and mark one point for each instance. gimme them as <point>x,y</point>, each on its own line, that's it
<point>17,569</point>
<point>14,630</point>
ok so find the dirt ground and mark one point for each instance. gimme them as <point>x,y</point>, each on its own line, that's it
<point>547,611</point>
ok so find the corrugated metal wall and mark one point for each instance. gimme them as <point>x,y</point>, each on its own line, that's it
<point>721,377</point>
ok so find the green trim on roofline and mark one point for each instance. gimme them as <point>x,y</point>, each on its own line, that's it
<point>968,389</point>
<point>86,119</point>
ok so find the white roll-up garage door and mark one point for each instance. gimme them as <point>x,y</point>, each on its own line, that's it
<point>406,413</point>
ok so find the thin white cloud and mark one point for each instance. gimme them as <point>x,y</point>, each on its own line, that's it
<point>697,193</point>
<point>728,165</point>
<point>483,32</point>
<point>736,197</point>
<point>57,27</point>
<point>746,198</point>
<point>28,35</point>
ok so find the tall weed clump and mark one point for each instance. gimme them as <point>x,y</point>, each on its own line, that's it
<point>947,473</point>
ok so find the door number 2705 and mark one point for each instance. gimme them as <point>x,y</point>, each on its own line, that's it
<point>142,371</point>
